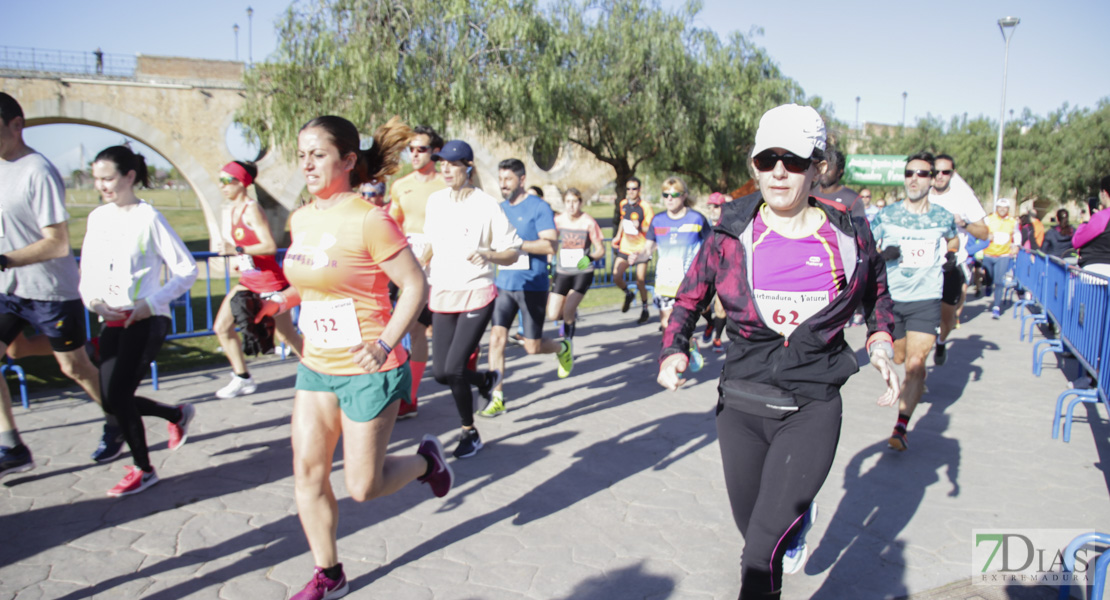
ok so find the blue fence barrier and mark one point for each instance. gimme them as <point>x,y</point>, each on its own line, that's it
<point>1075,302</point>
<point>192,317</point>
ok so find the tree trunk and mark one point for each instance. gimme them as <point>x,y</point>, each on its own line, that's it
<point>624,173</point>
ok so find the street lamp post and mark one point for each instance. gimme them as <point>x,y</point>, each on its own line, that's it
<point>250,36</point>
<point>904,94</point>
<point>857,113</point>
<point>1006,25</point>
<point>235,28</point>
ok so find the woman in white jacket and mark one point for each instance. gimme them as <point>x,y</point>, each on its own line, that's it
<point>127,243</point>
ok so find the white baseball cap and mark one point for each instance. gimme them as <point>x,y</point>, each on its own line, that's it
<point>1003,202</point>
<point>798,129</point>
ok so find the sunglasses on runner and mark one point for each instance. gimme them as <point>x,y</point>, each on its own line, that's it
<point>672,194</point>
<point>419,149</point>
<point>922,173</point>
<point>633,189</point>
<point>944,171</point>
<point>766,161</point>
<point>227,180</point>
<point>371,194</point>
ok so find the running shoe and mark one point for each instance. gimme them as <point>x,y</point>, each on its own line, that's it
<point>941,354</point>
<point>237,387</point>
<point>996,313</point>
<point>469,444</point>
<point>407,410</point>
<point>718,347</point>
<point>517,339</point>
<point>16,459</point>
<point>323,587</point>
<point>566,358</point>
<point>989,291</point>
<point>628,298</point>
<point>495,407</point>
<point>179,431</point>
<point>472,361</point>
<point>898,440</point>
<point>643,316</point>
<point>492,379</point>
<point>857,319</point>
<point>707,336</point>
<point>796,554</point>
<point>440,478</point>
<point>697,361</point>
<point>134,482</point>
<point>110,447</point>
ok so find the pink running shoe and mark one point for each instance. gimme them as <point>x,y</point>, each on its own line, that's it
<point>323,588</point>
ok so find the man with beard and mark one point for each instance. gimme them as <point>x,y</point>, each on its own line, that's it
<point>919,242</point>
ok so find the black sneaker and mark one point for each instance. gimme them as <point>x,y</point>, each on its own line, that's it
<point>629,296</point>
<point>941,354</point>
<point>469,444</point>
<point>643,317</point>
<point>492,379</point>
<point>15,460</point>
<point>111,445</point>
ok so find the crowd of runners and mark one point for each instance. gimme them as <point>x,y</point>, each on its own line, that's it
<point>782,271</point>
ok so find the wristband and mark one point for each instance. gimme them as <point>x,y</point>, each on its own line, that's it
<point>3,262</point>
<point>385,346</point>
<point>240,250</point>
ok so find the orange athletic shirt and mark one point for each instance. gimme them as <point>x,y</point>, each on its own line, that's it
<point>410,196</point>
<point>335,255</point>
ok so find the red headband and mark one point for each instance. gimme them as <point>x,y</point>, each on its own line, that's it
<point>237,171</point>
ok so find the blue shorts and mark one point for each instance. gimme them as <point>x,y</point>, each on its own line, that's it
<point>61,321</point>
<point>362,397</point>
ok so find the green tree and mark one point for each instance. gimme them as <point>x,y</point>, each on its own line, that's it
<point>429,62</point>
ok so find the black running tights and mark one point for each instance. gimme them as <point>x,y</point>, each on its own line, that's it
<point>773,471</point>
<point>454,337</point>
<point>125,354</point>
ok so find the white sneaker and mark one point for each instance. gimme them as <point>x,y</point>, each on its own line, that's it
<point>237,387</point>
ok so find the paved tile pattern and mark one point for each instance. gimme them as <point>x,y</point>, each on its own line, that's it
<point>598,486</point>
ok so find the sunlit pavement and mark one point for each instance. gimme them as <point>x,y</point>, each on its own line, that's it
<point>598,486</point>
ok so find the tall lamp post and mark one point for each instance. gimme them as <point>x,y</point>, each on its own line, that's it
<point>235,28</point>
<point>1006,25</point>
<point>857,113</point>
<point>250,36</point>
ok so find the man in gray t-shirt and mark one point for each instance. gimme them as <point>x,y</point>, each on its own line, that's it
<point>38,277</point>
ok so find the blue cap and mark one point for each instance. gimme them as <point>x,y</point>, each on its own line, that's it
<point>454,150</point>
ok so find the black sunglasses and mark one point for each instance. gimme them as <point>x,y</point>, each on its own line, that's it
<point>944,171</point>
<point>922,173</point>
<point>766,161</point>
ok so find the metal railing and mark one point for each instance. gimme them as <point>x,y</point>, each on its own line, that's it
<point>92,63</point>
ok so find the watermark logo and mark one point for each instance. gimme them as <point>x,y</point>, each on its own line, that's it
<point>1028,557</point>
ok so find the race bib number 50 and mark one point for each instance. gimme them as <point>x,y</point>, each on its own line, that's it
<point>330,324</point>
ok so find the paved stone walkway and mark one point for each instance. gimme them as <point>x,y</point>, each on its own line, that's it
<point>599,486</point>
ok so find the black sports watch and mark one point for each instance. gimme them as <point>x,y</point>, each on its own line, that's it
<point>240,250</point>
<point>3,262</point>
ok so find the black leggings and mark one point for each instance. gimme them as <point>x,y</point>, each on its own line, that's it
<point>454,337</point>
<point>773,471</point>
<point>125,353</point>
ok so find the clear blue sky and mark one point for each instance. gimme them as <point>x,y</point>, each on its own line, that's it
<point>946,55</point>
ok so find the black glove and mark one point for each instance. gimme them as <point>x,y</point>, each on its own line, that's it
<point>891,253</point>
<point>949,261</point>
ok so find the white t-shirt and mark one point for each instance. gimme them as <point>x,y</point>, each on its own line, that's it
<point>454,230</point>
<point>32,197</point>
<point>960,200</point>
<point>123,255</point>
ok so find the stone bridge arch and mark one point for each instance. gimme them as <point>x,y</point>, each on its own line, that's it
<point>181,108</point>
